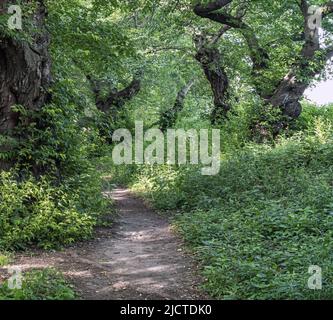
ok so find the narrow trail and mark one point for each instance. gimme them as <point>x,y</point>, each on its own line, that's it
<point>139,257</point>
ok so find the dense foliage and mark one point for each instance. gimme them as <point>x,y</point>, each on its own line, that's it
<point>256,226</point>
<point>259,224</point>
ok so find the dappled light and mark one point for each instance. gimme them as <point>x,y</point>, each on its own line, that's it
<point>166,150</point>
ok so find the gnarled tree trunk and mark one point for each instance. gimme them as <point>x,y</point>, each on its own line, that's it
<point>25,73</point>
<point>209,57</point>
<point>288,92</point>
<point>291,89</point>
<point>210,61</point>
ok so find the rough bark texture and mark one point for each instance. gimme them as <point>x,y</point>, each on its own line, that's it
<point>291,89</point>
<point>209,58</point>
<point>169,117</point>
<point>257,53</point>
<point>25,75</point>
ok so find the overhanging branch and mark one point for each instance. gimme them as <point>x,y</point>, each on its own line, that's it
<point>258,55</point>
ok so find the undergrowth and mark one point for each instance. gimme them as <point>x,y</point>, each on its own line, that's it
<point>46,284</point>
<point>263,220</point>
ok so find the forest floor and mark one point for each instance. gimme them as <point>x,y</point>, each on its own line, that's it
<point>139,257</point>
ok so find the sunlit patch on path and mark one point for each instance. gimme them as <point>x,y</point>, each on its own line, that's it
<point>139,257</point>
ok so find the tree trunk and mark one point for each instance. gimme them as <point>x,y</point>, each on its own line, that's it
<point>209,58</point>
<point>115,99</point>
<point>25,75</point>
<point>289,91</point>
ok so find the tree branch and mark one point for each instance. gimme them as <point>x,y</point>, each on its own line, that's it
<point>117,99</point>
<point>258,55</point>
<point>220,34</point>
<point>212,6</point>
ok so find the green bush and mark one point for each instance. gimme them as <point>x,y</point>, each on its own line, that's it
<point>35,213</point>
<point>46,284</point>
<point>5,258</point>
<point>53,194</point>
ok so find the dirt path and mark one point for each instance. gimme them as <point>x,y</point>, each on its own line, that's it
<point>138,258</point>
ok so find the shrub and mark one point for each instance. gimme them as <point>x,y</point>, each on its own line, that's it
<point>34,212</point>
<point>53,195</point>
